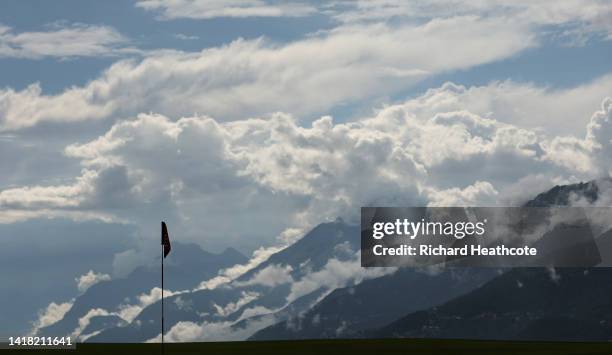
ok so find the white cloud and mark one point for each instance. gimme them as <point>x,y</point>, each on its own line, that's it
<point>554,276</point>
<point>223,330</point>
<point>427,150</point>
<point>599,136</point>
<point>335,274</point>
<point>270,276</point>
<point>207,9</point>
<point>9,216</point>
<point>89,279</point>
<point>481,193</point>
<point>225,276</point>
<point>49,196</point>
<point>248,78</point>
<point>185,37</point>
<point>183,304</point>
<point>129,312</point>
<point>450,146</point>
<point>551,111</point>
<point>584,18</point>
<point>254,312</point>
<point>53,313</point>
<point>246,297</point>
<point>214,331</point>
<point>63,41</point>
<point>84,321</point>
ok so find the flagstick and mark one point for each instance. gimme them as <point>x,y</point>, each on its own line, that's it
<point>162,298</point>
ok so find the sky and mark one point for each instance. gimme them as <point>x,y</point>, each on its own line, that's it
<point>245,123</point>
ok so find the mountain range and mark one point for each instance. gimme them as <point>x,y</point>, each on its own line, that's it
<point>563,304</point>
<point>185,272</point>
<point>261,294</point>
<point>525,304</point>
<point>316,288</point>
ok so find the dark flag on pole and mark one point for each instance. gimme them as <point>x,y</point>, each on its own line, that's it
<point>165,239</point>
<point>165,242</point>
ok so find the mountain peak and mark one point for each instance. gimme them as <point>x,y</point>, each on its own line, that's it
<point>562,195</point>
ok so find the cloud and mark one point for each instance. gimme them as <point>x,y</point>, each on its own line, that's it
<point>207,9</point>
<point>185,331</point>
<point>452,145</point>
<point>554,276</point>
<point>581,18</point>
<point>270,276</point>
<point>477,194</point>
<point>130,311</point>
<point>335,274</point>
<point>89,279</point>
<point>185,37</point>
<point>438,148</point>
<point>250,321</point>
<point>599,136</point>
<point>225,276</point>
<point>249,78</point>
<point>10,216</point>
<point>48,196</point>
<point>53,313</point>
<point>63,41</point>
<point>127,311</point>
<point>254,312</point>
<point>231,307</point>
<point>90,190</point>
<point>548,110</point>
<point>183,304</point>
<point>85,320</point>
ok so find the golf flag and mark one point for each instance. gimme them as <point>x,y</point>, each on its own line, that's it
<point>165,239</point>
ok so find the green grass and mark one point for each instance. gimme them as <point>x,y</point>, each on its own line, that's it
<point>338,347</point>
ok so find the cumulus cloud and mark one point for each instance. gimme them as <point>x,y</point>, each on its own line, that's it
<point>53,313</point>
<point>427,150</point>
<point>450,146</point>
<point>86,319</point>
<point>63,41</point>
<point>599,136</point>
<point>481,193</point>
<point>89,279</point>
<point>553,111</point>
<point>207,9</point>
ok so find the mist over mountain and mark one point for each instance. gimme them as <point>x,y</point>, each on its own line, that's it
<point>562,304</point>
<point>104,297</point>
<point>285,284</point>
<point>373,303</point>
<point>316,288</point>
